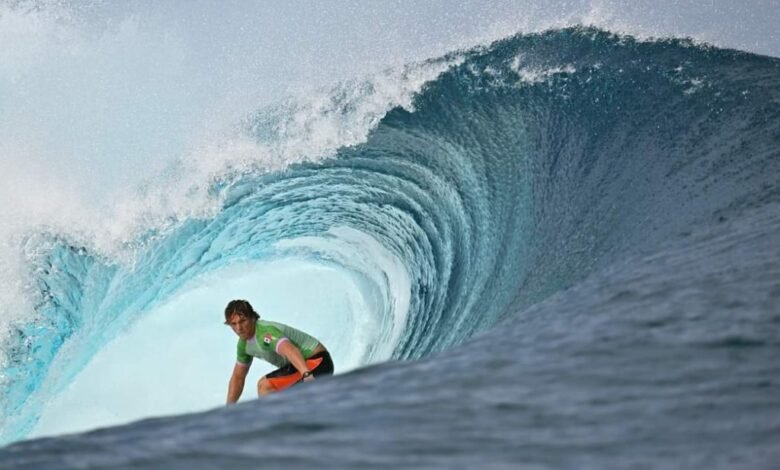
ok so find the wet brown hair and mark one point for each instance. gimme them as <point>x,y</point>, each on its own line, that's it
<point>242,308</point>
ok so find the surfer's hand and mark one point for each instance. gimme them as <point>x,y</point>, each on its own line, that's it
<point>308,377</point>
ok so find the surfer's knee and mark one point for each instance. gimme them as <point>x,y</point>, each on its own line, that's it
<point>263,387</point>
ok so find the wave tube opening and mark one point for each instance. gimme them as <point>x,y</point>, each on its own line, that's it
<point>177,357</point>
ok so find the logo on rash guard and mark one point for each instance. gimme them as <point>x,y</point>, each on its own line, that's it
<point>267,338</point>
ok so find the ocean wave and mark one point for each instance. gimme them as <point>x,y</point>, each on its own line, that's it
<point>452,194</point>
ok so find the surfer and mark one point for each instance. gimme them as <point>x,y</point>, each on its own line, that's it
<point>298,356</point>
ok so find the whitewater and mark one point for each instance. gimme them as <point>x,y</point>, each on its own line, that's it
<point>537,244</point>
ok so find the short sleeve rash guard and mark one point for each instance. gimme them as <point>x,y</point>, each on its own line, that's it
<point>268,337</point>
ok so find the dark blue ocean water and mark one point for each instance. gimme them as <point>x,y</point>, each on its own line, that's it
<point>590,225</point>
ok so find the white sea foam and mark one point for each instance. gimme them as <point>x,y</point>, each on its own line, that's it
<point>531,74</point>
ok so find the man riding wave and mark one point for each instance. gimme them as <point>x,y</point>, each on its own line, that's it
<point>298,356</point>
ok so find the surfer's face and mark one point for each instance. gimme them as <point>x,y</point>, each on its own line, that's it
<point>244,327</point>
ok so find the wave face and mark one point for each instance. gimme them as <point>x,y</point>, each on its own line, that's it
<point>573,235</point>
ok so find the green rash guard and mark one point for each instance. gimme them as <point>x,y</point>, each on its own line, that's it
<point>268,337</point>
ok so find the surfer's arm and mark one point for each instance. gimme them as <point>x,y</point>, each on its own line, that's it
<point>293,354</point>
<point>237,380</point>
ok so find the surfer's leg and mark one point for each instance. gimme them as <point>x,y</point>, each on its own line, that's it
<point>285,377</point>
<point>278,380</point>
<point>264,387</point>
